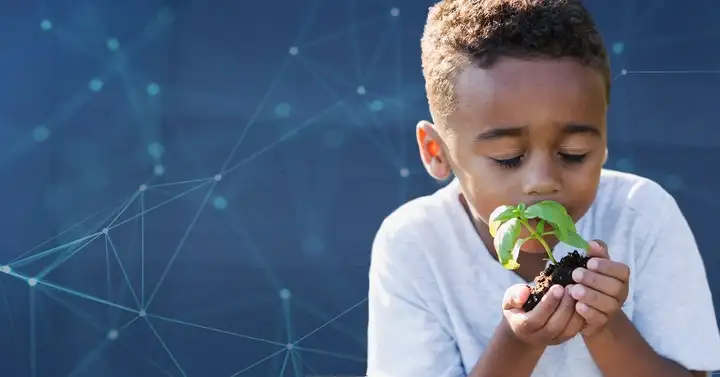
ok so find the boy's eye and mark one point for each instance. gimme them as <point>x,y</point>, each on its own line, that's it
<point>508,163</point>
<point>573,158</point>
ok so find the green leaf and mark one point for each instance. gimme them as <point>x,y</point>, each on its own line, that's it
<point>499,216</point>
<point>575,240</point>
<point>504,242</point>
<point>512,264</point>
<point>553,213</point>
<point>540,229</point>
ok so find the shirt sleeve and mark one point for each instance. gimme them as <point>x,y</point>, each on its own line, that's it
<point>673,304</point>
<point>404,338</point>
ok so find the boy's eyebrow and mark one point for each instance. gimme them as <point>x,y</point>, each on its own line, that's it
<point>568,129</point>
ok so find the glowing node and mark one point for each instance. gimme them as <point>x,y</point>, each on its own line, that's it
<point>404,172</point>
<point>153,89</point>
<point>159,170</point>
<point>32,282</point>
<point>95,85</point>
<point>285,294</point>
<point>156,150</point>
<point>626,165</point>
<point>282,110</point>
<point>6,269</point>
<point>112,334</point>
<point>289,346</point>
<point>376,105</point>
<point>142,188</point>
<point>142,313</point>
<point>218,177</point>
<point>166,16</point>
<point>220,203</point>
<point>40,133</point>
<point>293,50</point>
<point>623,72</point>
<point>674,182</point>
<point>618,47</point>
<point>361,90</point>
<point>112,44</point>
<point>313,244</point>
<point>46,25</point>
<point>394,12</point>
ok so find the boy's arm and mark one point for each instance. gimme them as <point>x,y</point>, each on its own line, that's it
<point>674,330</point>
<point>405,338</point>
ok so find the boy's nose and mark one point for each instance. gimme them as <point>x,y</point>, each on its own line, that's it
<point>541,180</point>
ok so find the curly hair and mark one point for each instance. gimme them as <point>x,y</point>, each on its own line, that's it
<point>461,33</point>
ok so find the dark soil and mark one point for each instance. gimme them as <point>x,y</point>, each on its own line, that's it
<point>560,274</point>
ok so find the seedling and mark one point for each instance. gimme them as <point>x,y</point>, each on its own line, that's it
<point>506,224</point>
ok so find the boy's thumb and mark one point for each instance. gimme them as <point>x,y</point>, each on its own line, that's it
<point>516,296</point>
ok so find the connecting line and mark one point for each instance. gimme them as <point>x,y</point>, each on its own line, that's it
<point>180,245</point>
<point>331,321</point>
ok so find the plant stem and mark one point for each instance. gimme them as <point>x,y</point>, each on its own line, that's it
<point>540,239</point>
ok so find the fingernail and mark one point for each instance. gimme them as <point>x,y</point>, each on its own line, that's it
<point>557,292</point>
<point>592,264</point>
<point>582,308</point>
<point>577,275</point>
<point>599,244</point>
<point>578,291</point>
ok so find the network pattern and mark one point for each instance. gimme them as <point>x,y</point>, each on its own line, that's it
<point>207,215</point>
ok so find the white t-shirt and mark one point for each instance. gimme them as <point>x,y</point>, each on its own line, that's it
<point>435,291</point>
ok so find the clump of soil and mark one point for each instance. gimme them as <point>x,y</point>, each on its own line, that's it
<point>560,274</point>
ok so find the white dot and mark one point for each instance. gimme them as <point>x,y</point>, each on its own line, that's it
<point>285,294</point>
<point>5,269</point>
<point>112,334</point>
<point>32,282</point>
<point>361,90</point>
<point>106,231</point>
<point>159,170</point>
<point>289,346</point>
<point>142,313</point>
<point>142,188</point>
<point>46,25</point>
<point>293,50</point>
<point>623,72</point>
<point>218,177</point>
<point>394,12</point>
<point>404,172</point>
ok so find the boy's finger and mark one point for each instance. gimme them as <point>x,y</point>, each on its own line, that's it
<point>599,280</point>
<point>538,317</point>
<point>598,249</point>
<point>619,271</point>
<point>515,296</point>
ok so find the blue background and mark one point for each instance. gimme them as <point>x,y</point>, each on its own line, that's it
<point>306,109</point>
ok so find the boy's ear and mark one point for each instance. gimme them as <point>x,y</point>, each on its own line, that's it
<point>431,152</point>
<point>606,156</point>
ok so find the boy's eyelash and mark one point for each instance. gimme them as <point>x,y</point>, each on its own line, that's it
<point>511,163</point>
<point>573,158</point>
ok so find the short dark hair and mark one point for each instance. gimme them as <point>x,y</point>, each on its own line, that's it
<point>459,33</point>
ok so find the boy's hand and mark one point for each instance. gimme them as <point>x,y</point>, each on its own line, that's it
<point>551,322</point>
<point>601,290</point>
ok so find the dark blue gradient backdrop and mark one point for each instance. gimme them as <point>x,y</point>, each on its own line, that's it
<point>191,188</point>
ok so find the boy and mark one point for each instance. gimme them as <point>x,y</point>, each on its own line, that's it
<point>518,91</point>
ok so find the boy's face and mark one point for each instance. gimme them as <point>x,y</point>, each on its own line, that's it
<point>523,131</point>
